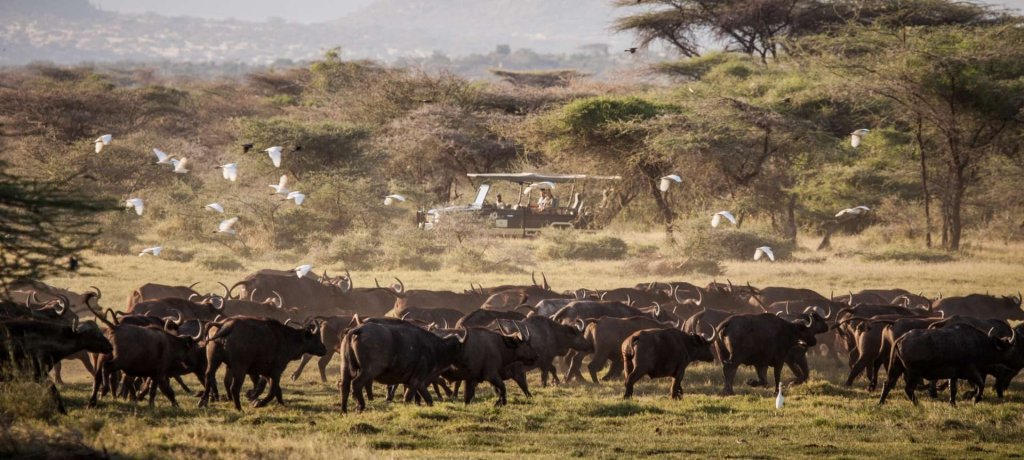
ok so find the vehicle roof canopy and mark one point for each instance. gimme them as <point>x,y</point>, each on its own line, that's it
<point>535,177</point>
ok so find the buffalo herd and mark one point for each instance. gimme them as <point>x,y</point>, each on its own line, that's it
<point>432,344</point>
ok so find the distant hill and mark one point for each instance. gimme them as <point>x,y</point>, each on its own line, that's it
<point>72,31</point>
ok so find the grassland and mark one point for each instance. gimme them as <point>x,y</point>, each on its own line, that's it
<point>821,418</point>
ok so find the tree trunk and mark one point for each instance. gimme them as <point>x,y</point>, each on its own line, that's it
<point>924,186</point>
<point>791,229</point>
<point>952,225</point>
<point>666,210</point>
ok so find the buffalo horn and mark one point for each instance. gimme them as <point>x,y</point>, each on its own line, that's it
<point>217,303</point>
<point>787,307</point>
<point>604,294</point>
<point>192,286</point>
<point>580,324</point>
<point>533,276</point>
<point>31,299</point>
<point>252,295</point>
<point>348,276</point>
<point>400,288</point>
<point>177,312</point>
<point>461,335</point>
<point>99,293</point>
<point>850,302</point>
<point>545,278</point>
<point>731,289</point>
<point>227,290</point>
<point>378,282</point>
<point>191,296</point>
<point>74,324</point>
<point>657,309</point>
<point>280,300</point>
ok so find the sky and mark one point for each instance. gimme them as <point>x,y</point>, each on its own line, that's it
<point>305,11</point>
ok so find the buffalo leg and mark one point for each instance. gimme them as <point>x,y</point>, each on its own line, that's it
<point>499,387</point>
<point>56,373</point>
<point>614,370</point>
<point>631,378</point>
<point>470,391</point>
<point>895,370</point>
<point>164,384</point>
<point>55,394</point>
<point>97,380</point>
<point>519,376</point>
<point>302,365</point>
<point>270,394</point>
<point>594,366</point>
<point>390,395</point>
<point>346,389</point>
<point>237,380</point>
<point>455,389</point>
<point>181,383</point>
<point>910,379</point>
<point>952,392</point>
<point>729,370</point>
<point>978,380</point>
<point>762,377</point>
<point>777,375</point>
<point>677,385</point>
<point>358,383</point>
<point>322,364</point>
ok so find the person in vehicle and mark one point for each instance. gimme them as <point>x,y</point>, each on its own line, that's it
<point>546,201</point>
<point>498,203</point>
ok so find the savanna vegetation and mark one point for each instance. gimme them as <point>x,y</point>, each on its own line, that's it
<point>761,128</point>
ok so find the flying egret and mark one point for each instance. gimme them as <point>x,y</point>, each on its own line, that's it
<point>229,171</point>
<point>299,197</point>
<point>103,141</point>
<point>764,251</point>
<point>275,155</point>
<point>226,226</point>
<point>857,211</point>
<point>135,203</point>
<point>665,181</point>
<point>180,166</point>
<point>215,207</point>
<point>162,158</point>
<point>538,186</point>
<point>391,199</point>
<point>154,251</point>
<point>302,270</point>
<point>717,218</point>
<point>779,400</point>
<point>856,136</point>
<point>282,186</point>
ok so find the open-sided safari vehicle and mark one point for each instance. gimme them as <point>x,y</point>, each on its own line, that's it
<point>568,202</point>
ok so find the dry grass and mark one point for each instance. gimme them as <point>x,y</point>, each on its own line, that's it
<point>821,418</point>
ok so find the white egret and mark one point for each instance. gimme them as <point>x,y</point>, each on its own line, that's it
<point>299,197</point>
<point>215,207</point>
<point>779,400</point>
<point>391,199</point>
<point>764,251</point>
<point>275,155</point>
<point>229,171</point>
<point>716,219</point>
<point>180,166</point>
<point>302,270</point>
<point>154,251</point>
<point>857,135</point>
<point>282,186</point>
<point>162,158</point>
<point>103,141</point>
<point>667,180</point>
<point>226,226</point>
<point>856,211</point>
<point>135,203</point>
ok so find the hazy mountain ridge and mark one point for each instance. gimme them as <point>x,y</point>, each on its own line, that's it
<point>75,31</point>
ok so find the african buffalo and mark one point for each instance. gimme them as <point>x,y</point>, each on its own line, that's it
<point>981,306</point>
<point>763,341</point>
<point>662,353</point>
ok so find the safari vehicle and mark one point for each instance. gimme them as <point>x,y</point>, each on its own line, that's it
<point>520,212</point>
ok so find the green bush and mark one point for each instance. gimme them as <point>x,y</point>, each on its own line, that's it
<point>701,241</point>
<point>908,255</point>
<point>356,250</point>
<point>571,246</point>
<point>405,248</point>
<point>658,265</point>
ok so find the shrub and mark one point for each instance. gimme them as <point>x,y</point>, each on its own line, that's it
<point>409,249</point>
<point>356,250</point>
<point>908,255</point>
<point>658,265</point>
<point>706,243</point>
<point>572,246</point>
<point>466,259</point>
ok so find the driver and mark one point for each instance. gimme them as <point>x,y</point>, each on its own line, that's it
<point>545,202</point>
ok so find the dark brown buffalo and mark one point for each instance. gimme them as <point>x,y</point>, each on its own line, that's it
<point>484,317</point>
<point>982,306</point>
<point>207,310</point>
<point>634,297</point>
<point>551,340</point>
<point>22,289</point>
<point>953,352</point>
<point>728,298</point>
<point>662,353</point>
<point>913,301</point>
<point>605,336</point>
<point>59,309</point>
<point>151,291</point>
<point>258,347</point>
<point>549,307</point>
<point>772,294</point>
<point>1003,372</point>
<point>393,352</point>
<point>323,295</point>
<point>763,341</point>
<point>593,309</point>
<point>147,352</point>
<point>31,347</point>
<point>489,356</point>
<point>443,317</point>
<point>423,298</point>
<point>332,330</point>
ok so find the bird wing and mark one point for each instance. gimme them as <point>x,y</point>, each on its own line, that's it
<point>758,254</point>
<point>728,215</point>
<point>842,213</point>
<point>283,182</point>
<point>160,155</point>
<point>674,177</point>
<point>227,224</point>
<point>275,156</point>
<point>769,253</point>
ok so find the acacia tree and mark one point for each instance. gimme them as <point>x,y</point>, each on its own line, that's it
<point>42,223</point>
<point>962,88</point>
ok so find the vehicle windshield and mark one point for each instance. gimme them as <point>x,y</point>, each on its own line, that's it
<point>481,194</point>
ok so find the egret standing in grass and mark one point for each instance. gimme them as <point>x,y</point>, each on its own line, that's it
<point>135,203</point>
<point>856,136</point>
<point>779,400</point>
<point>229,171</point>
<point>764,251</point>
<point>282,186</point>
<point>667,181</point>
<point>391,199</point>
<point>153,251</point>
<point>227,226</point>
<point>102,141</point>
<point>716,219</point>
